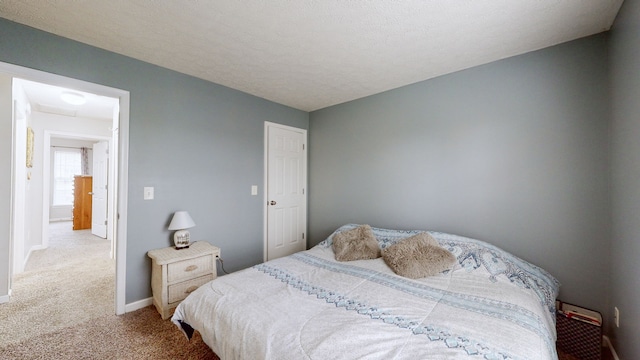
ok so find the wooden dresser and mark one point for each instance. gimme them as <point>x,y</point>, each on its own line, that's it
<point>177,273</point>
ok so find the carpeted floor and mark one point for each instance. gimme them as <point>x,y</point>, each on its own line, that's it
<point>62,307</point>
<point>71,281</point>
<point>140,334</point>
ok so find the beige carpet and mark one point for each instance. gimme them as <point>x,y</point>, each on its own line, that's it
<point>62,307</point>
<point>66,246</point>
<point>71,281</point>
<point>140,334</point>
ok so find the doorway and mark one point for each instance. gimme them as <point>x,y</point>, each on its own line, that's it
<point>118,146</point>
<point>285,194</point>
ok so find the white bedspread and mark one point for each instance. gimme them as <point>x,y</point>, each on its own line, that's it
<point>492,305</point>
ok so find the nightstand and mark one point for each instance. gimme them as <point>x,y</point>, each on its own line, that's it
<point>177,273</point>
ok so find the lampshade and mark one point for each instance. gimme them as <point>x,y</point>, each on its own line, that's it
<point>181,220</point>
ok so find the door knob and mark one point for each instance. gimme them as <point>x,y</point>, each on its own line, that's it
<point>272,202</point>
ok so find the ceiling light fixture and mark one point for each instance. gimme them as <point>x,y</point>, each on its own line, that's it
<point>73,98</point>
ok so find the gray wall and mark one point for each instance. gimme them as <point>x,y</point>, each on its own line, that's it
<point>514,153</point>
<point>625,149</point>
<point>199,144</point>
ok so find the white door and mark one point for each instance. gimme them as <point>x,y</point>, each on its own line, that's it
<point>99,201</point>
<point>286,169</point>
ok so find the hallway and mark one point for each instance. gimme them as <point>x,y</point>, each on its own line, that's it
<point>71,281</point>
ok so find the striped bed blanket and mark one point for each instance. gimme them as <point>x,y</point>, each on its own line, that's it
<point>491,305</point>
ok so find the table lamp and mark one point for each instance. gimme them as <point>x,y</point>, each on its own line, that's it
<point>181,221</point>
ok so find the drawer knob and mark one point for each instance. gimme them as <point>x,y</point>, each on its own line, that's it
<point>190,289</point>
<point>191,267</point>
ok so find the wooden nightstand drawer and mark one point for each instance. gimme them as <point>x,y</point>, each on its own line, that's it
<point>188,269</point>
<point>179,291</point>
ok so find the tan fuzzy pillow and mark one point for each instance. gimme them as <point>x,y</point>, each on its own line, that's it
<point>418,256</point>
<point>356,244</point>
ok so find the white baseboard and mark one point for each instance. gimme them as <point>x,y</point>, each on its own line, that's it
<point>138,305</point>
<point>607,343</point>
<point>4,299</point>
<point>31,250</point>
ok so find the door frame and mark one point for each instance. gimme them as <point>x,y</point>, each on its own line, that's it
<point>265,186</point>
<point>120,236</point>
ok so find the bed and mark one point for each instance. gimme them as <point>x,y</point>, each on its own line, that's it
<point>489,305</point>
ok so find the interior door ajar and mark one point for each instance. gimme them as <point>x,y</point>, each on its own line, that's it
<point>286,198</point>
<point>100,188</point>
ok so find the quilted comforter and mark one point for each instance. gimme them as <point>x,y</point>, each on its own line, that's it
<point>491,305</point>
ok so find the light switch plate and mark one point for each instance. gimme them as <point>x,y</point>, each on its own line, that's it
<point>148,193</point>
<point>254,189</point>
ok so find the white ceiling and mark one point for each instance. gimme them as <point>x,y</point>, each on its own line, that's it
<point>46,98</point>
<point>312,54</point>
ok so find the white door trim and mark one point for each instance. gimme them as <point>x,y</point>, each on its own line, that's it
<point>123,155</point>
<point>265,186</point>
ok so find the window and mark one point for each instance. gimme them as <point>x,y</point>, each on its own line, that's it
<point>66,164</point>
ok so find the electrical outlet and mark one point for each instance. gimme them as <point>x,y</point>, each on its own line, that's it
<point>616,316</point>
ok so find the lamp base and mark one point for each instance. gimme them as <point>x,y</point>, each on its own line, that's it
<point>181,239</point>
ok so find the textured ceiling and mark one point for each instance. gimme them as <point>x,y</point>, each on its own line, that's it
<point>313,54</point>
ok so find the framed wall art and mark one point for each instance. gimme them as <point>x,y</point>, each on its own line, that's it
<point>29,147</point>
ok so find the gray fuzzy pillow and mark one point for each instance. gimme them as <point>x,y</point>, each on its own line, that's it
<point>418,256</point>
<point>356,244</point>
